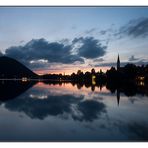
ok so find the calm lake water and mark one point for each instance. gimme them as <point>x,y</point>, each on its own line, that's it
<point>66,112</point>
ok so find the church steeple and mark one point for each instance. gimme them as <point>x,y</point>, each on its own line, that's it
<point>118,63</point>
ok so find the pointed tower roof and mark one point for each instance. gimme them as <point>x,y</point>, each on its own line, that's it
<point>118,62</point>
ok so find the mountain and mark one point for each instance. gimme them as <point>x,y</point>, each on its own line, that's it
<point>11,68</point>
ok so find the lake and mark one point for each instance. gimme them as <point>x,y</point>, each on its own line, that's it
<point>39,111</point>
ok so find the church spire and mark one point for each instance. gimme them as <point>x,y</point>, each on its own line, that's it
<point>118,63</point>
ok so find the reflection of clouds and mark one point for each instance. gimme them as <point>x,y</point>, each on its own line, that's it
<point>95,112</point>
<point>41,108</point>
<point>90,110</point>
<point>38,96</point>
<point>53,105</point>
<point>140,130</point>
<point>75,111</point>
<point>137,98</point>
<point>131,130</point>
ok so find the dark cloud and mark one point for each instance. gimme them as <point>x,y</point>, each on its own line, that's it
<point>40,49</point>
<point>134,28</point>
<point>132,58</point>
<point>1,54</point>
<point>99,60</point>
<point>100,32</point>
<point>22,41</point>
<point>65,41</point>
<point>103,32</point>
<point>110,64</point>
<point>39,53</point>
<point>91,48</point>
<point>92,30</point>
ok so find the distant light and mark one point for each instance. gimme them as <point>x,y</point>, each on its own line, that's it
<point>94,80</point>
<point>140,78</point>
<point>24,79</point>
<point>142,83</point>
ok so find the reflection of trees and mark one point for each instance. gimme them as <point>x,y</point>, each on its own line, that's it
<point>128,88</point>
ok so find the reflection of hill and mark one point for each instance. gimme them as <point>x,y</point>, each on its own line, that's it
<point>12,89</point>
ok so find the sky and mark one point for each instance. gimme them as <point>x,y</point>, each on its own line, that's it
<point>65,39</point>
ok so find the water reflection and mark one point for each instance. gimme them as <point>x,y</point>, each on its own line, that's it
<point>42,104</point>
<point>12,89</point>
<point>77,112</point>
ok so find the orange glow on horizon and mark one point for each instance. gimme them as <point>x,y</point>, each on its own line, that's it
<point>70,71</point>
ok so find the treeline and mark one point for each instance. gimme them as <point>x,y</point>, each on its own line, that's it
<point>80,76</point>
<point>129,72</point>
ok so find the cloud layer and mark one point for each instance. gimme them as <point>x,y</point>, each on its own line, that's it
<point>39,49</point>
<point>91,48</point>
<point>39,53</point>
<point>135,28</point>
<point>132,58</point>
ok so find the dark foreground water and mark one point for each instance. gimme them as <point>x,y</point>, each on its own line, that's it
<point>66,112</point>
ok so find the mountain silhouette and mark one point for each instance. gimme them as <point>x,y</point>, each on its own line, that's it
<point>12,69</point>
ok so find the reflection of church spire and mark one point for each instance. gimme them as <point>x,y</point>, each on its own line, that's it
<point>118,63</point>
<point>118,96</point>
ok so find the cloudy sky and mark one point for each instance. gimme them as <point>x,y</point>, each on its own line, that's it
<point>65,39</point>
